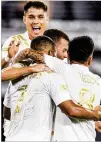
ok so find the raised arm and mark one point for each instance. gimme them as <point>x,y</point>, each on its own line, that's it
<point>9,50</point>
<point>36,56</point>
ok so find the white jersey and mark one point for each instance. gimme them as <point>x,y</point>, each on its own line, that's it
<point>85,89</point>
<point>24,43</point>
<point>32,107</point>
<point>13,85</point>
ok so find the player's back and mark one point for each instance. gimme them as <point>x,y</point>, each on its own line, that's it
<point>84,86</point>
<point>85,90</point>
<point>32,115</point>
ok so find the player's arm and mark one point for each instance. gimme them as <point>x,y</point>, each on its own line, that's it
<point>55,64</point>
<point>60,95</point>
<point>12,73</point>
<point>36,56</point>
<point>76,111</point>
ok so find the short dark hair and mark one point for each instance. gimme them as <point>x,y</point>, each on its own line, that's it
<point>35,4</point>
<point>56,34</point>
<point>42,43</point>
<point>80,48</point>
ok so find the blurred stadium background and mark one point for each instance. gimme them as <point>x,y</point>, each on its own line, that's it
<point>73,17</point>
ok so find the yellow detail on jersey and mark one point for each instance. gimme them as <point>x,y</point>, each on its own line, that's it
<point>5,49</point>
<point>40,74</point>
<point>63,87</point>
<point>17,110</point>
<point>88,79</point>
<point>49,72</point>
<point>25,42</point>
<point>20,37</point>
<point>22,90</point>
<point>86,98</point>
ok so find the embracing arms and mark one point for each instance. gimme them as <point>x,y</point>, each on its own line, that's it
<point>76,111</point>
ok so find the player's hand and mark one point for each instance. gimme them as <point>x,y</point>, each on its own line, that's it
<point>98,126</point>
<point>98,108</point>
<point>13,48</point>
<point>40,68</point>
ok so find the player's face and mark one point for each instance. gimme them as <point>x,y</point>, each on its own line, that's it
<point>62,47</point>
<point>36,22</point>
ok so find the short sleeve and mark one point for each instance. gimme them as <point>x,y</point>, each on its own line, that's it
<point>58,89</point>
<point>55,64</point>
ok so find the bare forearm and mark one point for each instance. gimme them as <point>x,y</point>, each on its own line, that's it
<point>36,56</point>
<point>76,111</point>
<point>22,55</point>
<point>85,114</point>
<point>14,73</point>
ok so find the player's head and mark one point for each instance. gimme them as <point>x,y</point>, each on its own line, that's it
<point>43,44</point>
<point>35,18</point>
<point>61,40</point>
<point>81,50</point>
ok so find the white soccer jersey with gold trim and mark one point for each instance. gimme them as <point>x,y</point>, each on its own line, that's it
<point>85,89</point>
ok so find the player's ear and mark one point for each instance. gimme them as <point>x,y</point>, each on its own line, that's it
<point>89,60</point>
<point>24,19</point>
<point>47,19</point>
<point>51,53</point>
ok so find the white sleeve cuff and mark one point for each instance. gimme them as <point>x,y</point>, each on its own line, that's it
<point>62,98</point>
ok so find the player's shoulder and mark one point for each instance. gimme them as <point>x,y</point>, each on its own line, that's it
<point>54,76</point>
<point>18,36</point>
<point>96,77</point>
<point>48,76</point>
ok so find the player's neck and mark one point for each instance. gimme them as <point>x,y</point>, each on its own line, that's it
<point>83,64</point>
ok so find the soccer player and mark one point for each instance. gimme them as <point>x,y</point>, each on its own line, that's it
<point>35,19</point>
<point>84,88</point>
<point>62,43</point>
<point>16,71</point>
<point>61,40</point>
<point>32,107</point>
